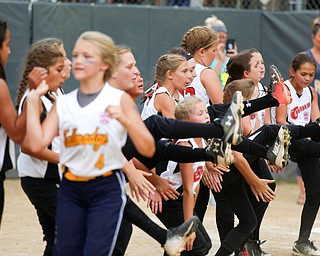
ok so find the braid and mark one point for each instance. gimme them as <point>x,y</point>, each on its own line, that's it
<point>184,40</point>
<point>24,84</point>
<point>39,55</point>
<point>198,37</point>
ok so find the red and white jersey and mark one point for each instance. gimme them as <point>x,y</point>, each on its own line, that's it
<point>91,141</point>
<point>173,172</point>
<point>148,107</point>
<point>299,110</point>
<point>196,88</point>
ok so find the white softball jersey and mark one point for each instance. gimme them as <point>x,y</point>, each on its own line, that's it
<point>3,140</point>
<point>299,110</point>
<point>173,172</point>
<point>196,88</point>
<point>91,140</point>
<point>29,166</point>
<point>148,107</point>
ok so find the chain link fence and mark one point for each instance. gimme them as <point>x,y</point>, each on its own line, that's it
<point>268,5</point>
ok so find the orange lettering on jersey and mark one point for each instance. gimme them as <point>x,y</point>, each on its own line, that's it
<point>94,139</point>
<point>100,163</point>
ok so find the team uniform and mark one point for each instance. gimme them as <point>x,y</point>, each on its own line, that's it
<point>7,162</point>
<point>299,112</point>
<point>172,212</point>
<point>92,192</point>
<point>148,107</point>
<point>40,180</point>
<point>196,88</point>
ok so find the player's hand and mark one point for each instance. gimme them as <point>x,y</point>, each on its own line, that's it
<point>216,181</point>
<point>155,203</point>
<point>36,76</point>
<point>261,190</point>
<point>275,169</point>
<point>139,185</point>
<point>42,89</point>
<point>189,244</point>
<point>165,189</point>
<point>116,113</point>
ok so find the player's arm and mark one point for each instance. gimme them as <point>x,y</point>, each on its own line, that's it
<point>315,113</point>
<point>258,186</point>
<point>139,185</point>
<point>188,200</point>
<point>281,115</point>
<point>165,104</point>
<point>267,118</point>
<point>38,135</point>
<point>14,125</point>
<point>46,154</point>
<point>138,132</point>
<point>211,82</point>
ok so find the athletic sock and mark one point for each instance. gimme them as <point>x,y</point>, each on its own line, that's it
<point>252,106</point>
<point>196,130</point>
<point>182,154</point>
<point>251,150</point>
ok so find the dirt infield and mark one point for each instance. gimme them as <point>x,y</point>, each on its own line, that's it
<point>20,233</point>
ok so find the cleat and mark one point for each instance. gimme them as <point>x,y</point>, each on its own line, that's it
<point>278,154</point>
<point>278,88</point>
<point>219,151</point>
<point>231,120</point>
<point>254,249</point>
<point>307,248</point>
<point>177,237</point>
<point>243,252</point>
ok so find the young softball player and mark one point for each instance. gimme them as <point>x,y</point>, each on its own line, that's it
<point>92,122</point>
<point>303,109</point>
<point>202,43</point>
<point>249,64</point>
<point>40,176</point>
<point>11,125</point>
<point>186,178</point>
<point>172,74</point>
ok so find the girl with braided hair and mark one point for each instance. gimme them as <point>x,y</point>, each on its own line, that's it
<point>202,43</point>
<point>11,125</point>
<point>39,173</point>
